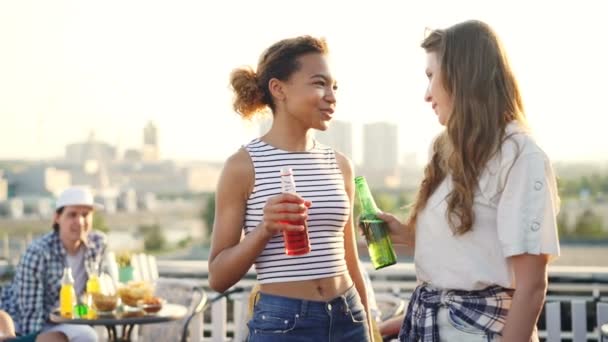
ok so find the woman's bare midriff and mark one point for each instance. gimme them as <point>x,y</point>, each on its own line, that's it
<point>324,289</point>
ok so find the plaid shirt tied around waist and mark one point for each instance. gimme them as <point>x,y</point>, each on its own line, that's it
<point>483,309</point>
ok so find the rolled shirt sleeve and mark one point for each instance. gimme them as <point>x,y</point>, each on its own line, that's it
<point>528,207</point>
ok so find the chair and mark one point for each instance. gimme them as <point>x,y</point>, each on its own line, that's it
<point>198,309</point>
<point>144,266</point>
<point>110,265</point>
<point>390,305</point>
<point>188,292</point>
<point>219,312</point>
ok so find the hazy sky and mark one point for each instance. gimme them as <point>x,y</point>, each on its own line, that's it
<point>67,67</point>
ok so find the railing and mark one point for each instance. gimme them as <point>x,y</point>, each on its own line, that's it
<point>576,304</point>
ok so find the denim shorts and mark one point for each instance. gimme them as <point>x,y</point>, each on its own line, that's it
<point>277,318</point>
<point>456,329</point>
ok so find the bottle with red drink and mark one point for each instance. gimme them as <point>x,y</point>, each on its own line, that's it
<point>296,243</point>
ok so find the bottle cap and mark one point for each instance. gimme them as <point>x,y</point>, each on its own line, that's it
<point>286,171</point>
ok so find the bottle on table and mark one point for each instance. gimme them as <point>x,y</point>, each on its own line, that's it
<point>67,295</point>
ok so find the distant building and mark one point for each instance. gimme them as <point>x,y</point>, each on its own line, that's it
<point>202,178</point>
<point>3,187</point>
<point>150,150</point>
<point>339,135</point>
<point>410,173</point>
<point>146,201</point>
<point>127,200</point>
<point>39,180</point>
<point>80,153</point>
<point>37,205</point>
<point>12,208</point>
<point>133,156</point>
<point>168,178</point>
<point>108,199</point>
<point>380,154</point>
<point>380,146</point>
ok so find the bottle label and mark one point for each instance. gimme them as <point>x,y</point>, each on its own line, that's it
<point>288,185</point>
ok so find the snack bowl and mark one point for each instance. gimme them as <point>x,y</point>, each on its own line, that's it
<point>133,292</point>
<point>151,305</point>
<point>104,304</point>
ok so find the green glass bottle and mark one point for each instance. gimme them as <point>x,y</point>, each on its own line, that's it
<point>376,231</point>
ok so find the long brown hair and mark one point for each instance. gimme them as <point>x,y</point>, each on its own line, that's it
<point>279,61</point>
<point>476,74</point>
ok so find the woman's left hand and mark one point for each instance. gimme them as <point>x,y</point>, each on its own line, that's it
<point>400,234</point>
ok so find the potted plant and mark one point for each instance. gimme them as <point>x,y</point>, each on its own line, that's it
<point>125,270</point>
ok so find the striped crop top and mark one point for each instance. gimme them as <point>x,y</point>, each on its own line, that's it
<point>318,179</point>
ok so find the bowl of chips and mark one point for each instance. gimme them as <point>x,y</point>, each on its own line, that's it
<point>104,303</point>
<point>134,291</point>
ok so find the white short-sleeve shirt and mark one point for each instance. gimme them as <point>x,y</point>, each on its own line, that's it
<point>515,211</point>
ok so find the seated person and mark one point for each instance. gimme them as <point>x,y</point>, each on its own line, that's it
<point>7,328</point>
<point>34,291</point>
<point>7,332</point>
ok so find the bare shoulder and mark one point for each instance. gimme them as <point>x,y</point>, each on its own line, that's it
<point>345,164</point>
<point>238,173</point>
<point>239,161</point>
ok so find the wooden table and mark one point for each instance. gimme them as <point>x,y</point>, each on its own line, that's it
<point>127,319</point>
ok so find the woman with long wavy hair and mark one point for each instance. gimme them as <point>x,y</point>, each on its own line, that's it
<point>483,224</point>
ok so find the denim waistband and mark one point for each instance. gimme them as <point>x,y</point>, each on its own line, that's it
<point>308,307</point>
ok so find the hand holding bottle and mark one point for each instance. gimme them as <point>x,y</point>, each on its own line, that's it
<point>400,233</point>
<point>374,229</point>
<point>284,212</point>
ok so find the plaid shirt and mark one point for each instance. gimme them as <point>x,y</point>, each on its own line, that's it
<point>34,291</point>
<point>485,310</point>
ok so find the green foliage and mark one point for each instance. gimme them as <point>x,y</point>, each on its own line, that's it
<point>208,214</point>
<point>596,185</point>
<point>404,200</point>
<point>394,202</point>
<point>562,225</point>
<point>99,223</point>
<point>184,242</point>
<point>154,240</point>
<point>123,259</point>
<point>386,202</point>
<point>589,225</point>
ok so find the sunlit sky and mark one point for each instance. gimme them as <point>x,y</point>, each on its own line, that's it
<point>67,67</point>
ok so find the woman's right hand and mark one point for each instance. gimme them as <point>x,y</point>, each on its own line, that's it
<point>398,231</point>
<point>284,212</point>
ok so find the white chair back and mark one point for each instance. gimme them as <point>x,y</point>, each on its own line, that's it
<point>110,266</point>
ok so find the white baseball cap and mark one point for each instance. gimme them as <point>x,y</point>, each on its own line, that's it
<point>77,195</point>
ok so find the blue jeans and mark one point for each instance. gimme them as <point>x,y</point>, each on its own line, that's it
<point>277,318</point>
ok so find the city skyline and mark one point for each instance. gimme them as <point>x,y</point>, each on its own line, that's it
<point>66,71</point>
<point>356,148</point>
